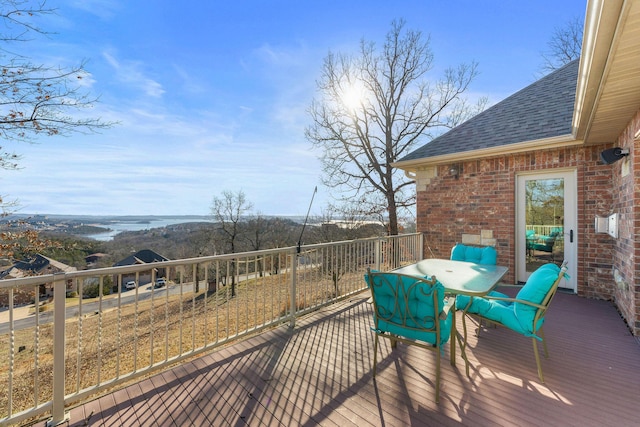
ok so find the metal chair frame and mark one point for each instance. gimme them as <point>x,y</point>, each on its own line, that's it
<point>541,310</point>
<point>397,283</point>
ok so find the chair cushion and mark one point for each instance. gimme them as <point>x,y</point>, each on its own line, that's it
<point>429,337</point>
<point>535,290</point>
<point>418,310</point>
<point>366,277</point>
<point>499,311</point>
<point>484,255</point>
<point>514,315</point>
<point>463,300</point>
<point>539,283</point>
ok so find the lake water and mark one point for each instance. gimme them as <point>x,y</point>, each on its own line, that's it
<point>138,225</point>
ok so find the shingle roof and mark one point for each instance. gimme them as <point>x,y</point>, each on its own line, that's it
<point>145,256</point>
<point>37,264</point>
<point>543,109</point>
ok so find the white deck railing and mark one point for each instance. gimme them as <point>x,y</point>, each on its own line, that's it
<point>544,230</point>
<point>56,353</point>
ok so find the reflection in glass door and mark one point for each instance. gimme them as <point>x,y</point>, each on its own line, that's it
<point>546,219</point>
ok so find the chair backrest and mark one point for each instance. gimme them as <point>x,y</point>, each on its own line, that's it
<point>408,306</point>
<point>479,255</point>
<point>540,289</point>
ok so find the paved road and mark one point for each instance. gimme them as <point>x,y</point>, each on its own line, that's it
<point>25,320</point>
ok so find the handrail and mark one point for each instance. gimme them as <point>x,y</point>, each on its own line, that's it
<point>80,350</point>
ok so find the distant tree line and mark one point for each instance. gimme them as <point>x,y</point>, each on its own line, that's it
<point>196,239</point>
<point>233,229</point>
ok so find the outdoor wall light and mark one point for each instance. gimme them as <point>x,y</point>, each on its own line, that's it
<point>612,155</point>
<point>454,171</point>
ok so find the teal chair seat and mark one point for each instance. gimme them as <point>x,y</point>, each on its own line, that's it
<point>410,310</point>
<point>524,314</point>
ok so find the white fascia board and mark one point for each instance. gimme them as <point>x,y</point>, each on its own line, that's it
<point>602,20</point>
<point>520,147</point>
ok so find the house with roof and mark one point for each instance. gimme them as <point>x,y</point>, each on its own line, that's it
<point>94,258</point>
<point>551,172</point>
<point>144,256</point>
<point>35,265</point>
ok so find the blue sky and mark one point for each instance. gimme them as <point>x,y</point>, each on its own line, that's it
<point>213,95</point>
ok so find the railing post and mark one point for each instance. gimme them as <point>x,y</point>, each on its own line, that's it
<point>378,253</point>
<point>58,415</point>
<point>12,353</point>
<point>421,246</point>
<point>292,290</point>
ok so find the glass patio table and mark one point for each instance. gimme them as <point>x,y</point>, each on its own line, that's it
<point>458,278</point>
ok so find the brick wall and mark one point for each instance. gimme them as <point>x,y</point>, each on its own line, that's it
<point>625,249</point>
<point>482,198</point>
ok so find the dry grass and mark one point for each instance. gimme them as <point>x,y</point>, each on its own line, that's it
<point>107,345</point>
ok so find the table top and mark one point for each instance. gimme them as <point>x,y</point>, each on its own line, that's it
<point>459,277</point>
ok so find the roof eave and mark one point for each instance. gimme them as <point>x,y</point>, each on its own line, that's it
<point>603,24</point>
<point>519,147</point>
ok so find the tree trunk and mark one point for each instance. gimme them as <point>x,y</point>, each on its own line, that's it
<point>393,215</point>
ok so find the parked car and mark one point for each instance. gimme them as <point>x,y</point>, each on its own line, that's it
<point>161,282</point>
<point>131,284</point>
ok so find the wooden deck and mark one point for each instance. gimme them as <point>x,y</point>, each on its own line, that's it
<point>320,373</point>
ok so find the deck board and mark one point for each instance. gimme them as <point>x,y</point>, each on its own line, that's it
<point>320,373</point>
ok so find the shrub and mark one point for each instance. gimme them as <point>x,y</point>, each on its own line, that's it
<point>93,290</point>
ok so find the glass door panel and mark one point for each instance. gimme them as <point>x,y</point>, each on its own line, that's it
<point>544,222</point>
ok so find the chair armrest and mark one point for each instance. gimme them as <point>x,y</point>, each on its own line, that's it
<point>521,301</point>
<point>449,304</point>
<point>505,285</point>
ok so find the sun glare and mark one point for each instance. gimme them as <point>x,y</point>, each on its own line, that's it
<point>353,96</point>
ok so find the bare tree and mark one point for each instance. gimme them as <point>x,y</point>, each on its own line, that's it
<point>36,99</point>
<point>255,236</point>
<point>374,108</point>
<point>256,229</point>
<point>280,232</point>
<point>228,211</point>
<point>564,46</point>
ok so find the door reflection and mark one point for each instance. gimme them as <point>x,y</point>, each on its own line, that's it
<point>544,222</point>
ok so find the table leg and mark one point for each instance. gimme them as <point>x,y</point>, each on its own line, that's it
<point>463,344</point>
<point>461,338</point>
<point>454,336</point>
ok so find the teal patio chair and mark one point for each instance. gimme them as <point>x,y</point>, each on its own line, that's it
<point>479,255</point>
<point>524,314</point>
<point>530,236</point>
<point>410,310</point>
<point>475,254</point>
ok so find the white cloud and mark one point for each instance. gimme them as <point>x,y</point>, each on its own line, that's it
<point>104,9</point>
<point>130,73</point>
<point>190,83</point>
